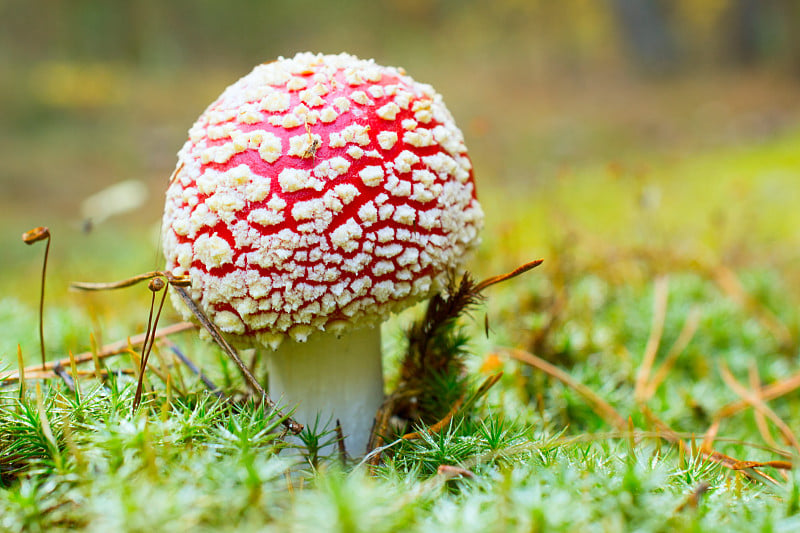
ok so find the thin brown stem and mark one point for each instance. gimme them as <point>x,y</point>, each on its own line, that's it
<point>758,404</point>
<point>108,350</point>
<point>38,373</point>
<point>729,282</point>
<point>438,426</point>
<point>654,341</point>
<point>41,299</point>
<point>21,372</point>
<point>288,422</point>
<point>693,499</point>
<point>213,389</point>
<point>602,407</point>
<point>768,392</point>
<point>684,337</point>
<point>760,418</point>
<point>137,397</point>
<point>181,281</point>
<point>488,282</point>
<point>41,233</point>
<point>156,285</point>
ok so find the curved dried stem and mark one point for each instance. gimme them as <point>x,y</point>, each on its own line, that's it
<point>156,285</point>
<point>654,341</point>
<point>488,282</point>
<point>177,281</point>
<point>602,408</point>
<point>758,404</point>
<point>108,350</point>
<point>288,422</point>
<point>41,233</point>
<point>684,337</point>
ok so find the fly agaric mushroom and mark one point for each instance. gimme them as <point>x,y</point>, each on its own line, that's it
<point>314,197</point>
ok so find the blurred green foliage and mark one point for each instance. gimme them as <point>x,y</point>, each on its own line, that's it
<point>619,140</point>
<point>92,92</point>
<point>157,34</point>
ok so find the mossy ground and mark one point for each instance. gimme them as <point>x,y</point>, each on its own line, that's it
<point>686,244</point>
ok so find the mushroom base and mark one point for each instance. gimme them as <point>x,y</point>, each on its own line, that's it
<point>330,378</point>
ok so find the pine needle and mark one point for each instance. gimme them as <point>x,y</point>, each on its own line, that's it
<point>602,408</point>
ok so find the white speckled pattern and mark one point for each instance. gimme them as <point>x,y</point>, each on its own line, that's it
<point>319,190</point>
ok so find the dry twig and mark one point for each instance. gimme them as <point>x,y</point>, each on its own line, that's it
<point>759,417</point>
<point>602,408</point>
<point>768,392</point>
<point>727,280</point>
<point>426,355</point>
<point>653,342</point>
<point>692,501</point>
<point>108,350</point>
<point>179,284</point>
<point>287,421</point>
<point>759,405</point>
<point>748,468</point>
<point>687,333</point>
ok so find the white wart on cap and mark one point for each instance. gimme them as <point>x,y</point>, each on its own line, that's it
<point>317,192</point>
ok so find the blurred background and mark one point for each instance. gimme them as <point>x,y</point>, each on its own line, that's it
<point>667,121</point>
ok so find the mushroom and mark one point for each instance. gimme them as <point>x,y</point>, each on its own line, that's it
<point>314,197</point>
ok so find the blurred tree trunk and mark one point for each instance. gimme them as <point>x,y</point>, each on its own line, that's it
<point>792,22</point>
<point>648,37</point>
<point>744,26</point>
<point>762,31</point>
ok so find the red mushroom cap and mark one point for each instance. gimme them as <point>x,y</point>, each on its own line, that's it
<point>319,191</point>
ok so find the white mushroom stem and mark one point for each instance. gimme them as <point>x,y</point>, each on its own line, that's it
<point>333,378</point>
